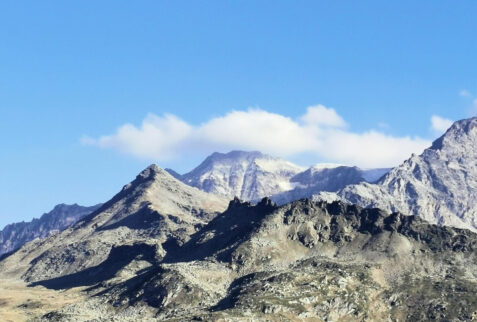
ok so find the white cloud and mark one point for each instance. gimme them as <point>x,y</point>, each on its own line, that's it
<point>465,93</point>
<point>320,131</point>
<point>157,138</point>
<point>473,111</point>
<point>256,129</point>
<point>320,115</point>
<point>370,149</point>
<point>439,124</point>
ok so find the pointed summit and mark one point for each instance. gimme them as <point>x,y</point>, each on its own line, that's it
<point>154,210</point>
<point>461,132</point>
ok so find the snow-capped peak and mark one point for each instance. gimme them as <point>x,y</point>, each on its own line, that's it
<point>247,175</point>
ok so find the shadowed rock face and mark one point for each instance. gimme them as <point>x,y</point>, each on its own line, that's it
<point>13,236</point>
<point>327,261</point>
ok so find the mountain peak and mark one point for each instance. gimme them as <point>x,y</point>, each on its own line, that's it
<point>459,132</point>
<point>248,175</point>
<point>150,171</point>
<point>438,185</point>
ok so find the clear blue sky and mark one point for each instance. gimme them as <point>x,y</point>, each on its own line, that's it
<point>69,69</point>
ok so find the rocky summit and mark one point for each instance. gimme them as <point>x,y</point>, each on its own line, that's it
<point>440,185</point>
<point>152,212</point>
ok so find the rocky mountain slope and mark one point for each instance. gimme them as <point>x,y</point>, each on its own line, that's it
<point>153,212</point>
<point>440,185</point>
<point>254,175</point>
<point>302,261</point>
<point>13,236</point>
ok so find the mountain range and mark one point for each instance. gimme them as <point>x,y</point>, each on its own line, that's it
<point>252,176</point>
<point>248,175</point>
<point>171,247</point>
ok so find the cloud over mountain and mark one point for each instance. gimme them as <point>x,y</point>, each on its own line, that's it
<point>320,131</point>
<point>440,124</point>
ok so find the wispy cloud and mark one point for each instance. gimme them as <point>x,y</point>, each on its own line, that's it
<point>439,124</point>
<point>473,108</point>
<point>320,131</point>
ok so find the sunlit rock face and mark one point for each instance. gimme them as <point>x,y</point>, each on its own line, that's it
<point>440,185</point>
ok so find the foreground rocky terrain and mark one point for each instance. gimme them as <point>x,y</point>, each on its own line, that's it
<point>13,236</point>
<point>440,185</point>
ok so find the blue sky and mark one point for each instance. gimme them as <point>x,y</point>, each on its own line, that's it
<point>72,73</point>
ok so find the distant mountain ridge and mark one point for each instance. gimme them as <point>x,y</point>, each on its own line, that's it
<point>13,236</point>
<point>253,175</point>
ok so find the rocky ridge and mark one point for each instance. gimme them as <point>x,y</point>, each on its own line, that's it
<point>13,236</point>
<point>329,178</point>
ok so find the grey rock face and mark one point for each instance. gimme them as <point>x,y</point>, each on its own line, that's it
<point>440,185</point>
<point>13,236</point>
